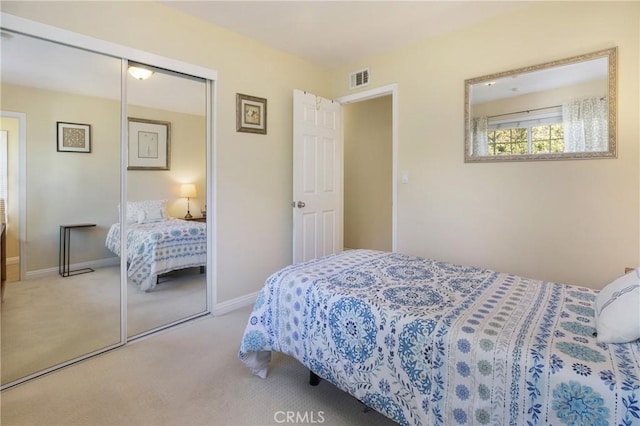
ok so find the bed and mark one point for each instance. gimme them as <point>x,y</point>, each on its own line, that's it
<point>427,342</point>
<point>156,245</point>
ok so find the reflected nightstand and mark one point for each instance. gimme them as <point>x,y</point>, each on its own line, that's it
<point>195,219</point>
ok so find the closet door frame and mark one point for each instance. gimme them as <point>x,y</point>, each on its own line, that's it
<point>126,54</point>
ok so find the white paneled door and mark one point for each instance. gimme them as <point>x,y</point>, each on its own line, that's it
<point>317,176</point>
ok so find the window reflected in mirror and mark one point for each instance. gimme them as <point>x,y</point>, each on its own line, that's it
<point>564,109</point>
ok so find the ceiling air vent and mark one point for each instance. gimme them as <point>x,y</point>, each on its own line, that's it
<point>359,78</point>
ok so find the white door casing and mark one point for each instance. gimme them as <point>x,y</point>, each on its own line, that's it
<point>317,176</point>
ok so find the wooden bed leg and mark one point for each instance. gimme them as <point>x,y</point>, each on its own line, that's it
<point>314,379</point>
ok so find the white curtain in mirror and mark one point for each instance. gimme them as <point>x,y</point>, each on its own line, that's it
<point>585,125</point>
<point>534,99</point>
<point>479,140</point>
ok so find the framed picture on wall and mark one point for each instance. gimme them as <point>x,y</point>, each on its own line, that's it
<point>149,144</point>
<point>251,114</point>
<point>73,137</point>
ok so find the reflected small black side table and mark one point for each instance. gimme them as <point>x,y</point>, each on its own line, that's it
<point>64,254</point>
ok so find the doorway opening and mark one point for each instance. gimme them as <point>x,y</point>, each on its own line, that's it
<point>370,169</point>
<point>15,124</point>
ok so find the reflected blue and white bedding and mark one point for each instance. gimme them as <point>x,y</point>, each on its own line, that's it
<point>427,342</point>
<point>158,247</point>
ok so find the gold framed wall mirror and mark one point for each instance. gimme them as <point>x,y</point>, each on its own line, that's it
<point>559,110</point>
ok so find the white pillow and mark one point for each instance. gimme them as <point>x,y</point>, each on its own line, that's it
<point>135,207</point>
<point>132,216</point>
<point>618,309</point>
<point>150,215</point>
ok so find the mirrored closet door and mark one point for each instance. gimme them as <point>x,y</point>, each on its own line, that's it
<point>102,152</point>
<point>166,193</point>
<point>64,190</point>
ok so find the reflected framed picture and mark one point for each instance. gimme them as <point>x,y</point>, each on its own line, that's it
<point>73,137</point>
<point>149,144</point>
<point>251,114</point>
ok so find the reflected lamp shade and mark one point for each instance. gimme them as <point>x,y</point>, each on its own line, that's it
<point>188,190</point>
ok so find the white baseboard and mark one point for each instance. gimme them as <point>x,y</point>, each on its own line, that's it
<point>219,309</point>
<point>233,304</point>
<point>94,264</point>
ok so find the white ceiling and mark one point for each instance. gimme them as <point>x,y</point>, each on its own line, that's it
<point>540,80</point>
<point>334,33</point>
<point>329,33</point>
<point>32,62</point>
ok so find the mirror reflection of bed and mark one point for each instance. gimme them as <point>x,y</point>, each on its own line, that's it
<point>180,291</point>
<point>166,264</point>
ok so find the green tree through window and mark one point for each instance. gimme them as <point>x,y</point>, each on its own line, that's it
<point>526,140</point>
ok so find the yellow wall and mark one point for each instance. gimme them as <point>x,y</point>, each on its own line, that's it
<point>66,188</point>
<point>253,172</point>
<point>187,163</point>
<point>569,221</point>
<point>367,174</point>
<point>541,99</point>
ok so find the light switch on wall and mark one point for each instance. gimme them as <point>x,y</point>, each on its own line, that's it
<point>404,177</point>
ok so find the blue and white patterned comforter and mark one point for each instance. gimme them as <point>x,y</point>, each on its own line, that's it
<point>160,247</point>
<point>431,343</point>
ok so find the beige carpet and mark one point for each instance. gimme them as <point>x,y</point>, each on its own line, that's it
<point>51,320</point>
<point>177,295</point>
<point>188,375</point>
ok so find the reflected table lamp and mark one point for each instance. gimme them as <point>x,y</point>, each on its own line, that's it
<point>188,191</point>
